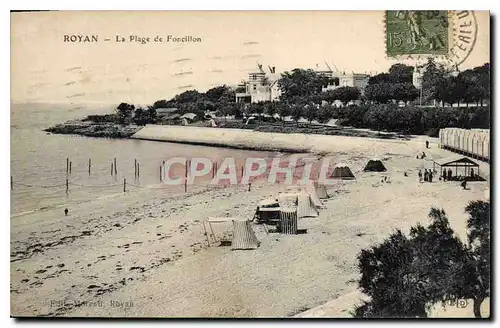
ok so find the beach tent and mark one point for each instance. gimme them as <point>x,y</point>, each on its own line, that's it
<point>267,211</point>
<point>300,202</point>
<point>374,165</point>
<point>342,171</point>
<point>288,222</point>
<point>243,236</point>
<point>320,190</point>
<point>310,188</point>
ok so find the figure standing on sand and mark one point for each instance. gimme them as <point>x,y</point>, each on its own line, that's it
<point>426,143</point>
<point>464,184</point>
<point>426,176</point>
<point>449,174</point>
<point>420,176</point>
<point>444,174</point>
<point>430,176</point>
<point>66,212</point>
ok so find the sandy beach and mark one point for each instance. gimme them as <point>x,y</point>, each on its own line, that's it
<point>143,255</point>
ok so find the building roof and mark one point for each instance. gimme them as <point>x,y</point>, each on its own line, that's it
<point>163,111</point>
<point>455,161</point>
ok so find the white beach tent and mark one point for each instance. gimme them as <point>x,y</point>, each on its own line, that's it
<point>321,190</point>
<point>311,190</point>
<point>301,202</point>
<point>243,235</point>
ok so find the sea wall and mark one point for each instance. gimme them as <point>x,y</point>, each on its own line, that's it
<point>263,141</point>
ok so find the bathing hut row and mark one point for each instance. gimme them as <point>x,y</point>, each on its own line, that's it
<point>474,143</point>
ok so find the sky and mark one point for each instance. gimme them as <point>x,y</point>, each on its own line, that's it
<point>46,69</point>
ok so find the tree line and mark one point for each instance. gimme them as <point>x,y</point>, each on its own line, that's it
<point>306,94</point>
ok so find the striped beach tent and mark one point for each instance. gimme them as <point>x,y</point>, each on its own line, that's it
<point>320,190</point>
<point>243,236</point>
<point>301,202</point>
<point>288,222</point>
<point>311,189</point>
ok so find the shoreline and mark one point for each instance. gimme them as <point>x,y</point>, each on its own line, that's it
<point>250,139</point>
<point>116,131</point>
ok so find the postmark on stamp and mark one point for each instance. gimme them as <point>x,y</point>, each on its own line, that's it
<point>417,32</point>
<point>447,34</point>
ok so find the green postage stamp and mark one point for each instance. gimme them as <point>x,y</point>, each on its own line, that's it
<point>421,32</point>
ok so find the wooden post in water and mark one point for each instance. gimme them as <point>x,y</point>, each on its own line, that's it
<point>70,167</point>
<point>90,164</point>
<point>67,186</point>
<point>111,168</point>
<point>135,167</point>
<point>11,183</point>
<point>124,184</point>
<point>186,176</point>
<point>67,165</point>
<point>115,166</point>
<point>160,174</point>
<point>138,174</point>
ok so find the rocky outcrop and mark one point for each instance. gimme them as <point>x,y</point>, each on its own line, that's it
<point>92,129</point>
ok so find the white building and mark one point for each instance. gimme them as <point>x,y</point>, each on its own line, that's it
<point>261,86</point>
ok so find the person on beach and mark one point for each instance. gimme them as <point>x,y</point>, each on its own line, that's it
<point>426,176</point>
<point>430,176</point>
<point>426,143</point>
<point>423,155</point>
<point>444,174</point>
<point>472,173</point>
<point>66,212</point>
<point>449,174</point>
<point>464,184</point>
<point>420,176</point>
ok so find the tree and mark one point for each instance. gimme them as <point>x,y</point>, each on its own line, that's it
<point>433,76</point>
<point>401,73</point>
<point>379,93</point>
<point>404,92</point>
<point>124,112</point>
<point>302,83</point>
<point>325,113</point>
<point>310,112</point>
<point>346,94</point>
<point>151,115</point>
<point>189,96</point>
<point>478,237</point>
<point>405,275</point>
<point>297,111</point>
<point>270,108</point>
<point>284,110</point>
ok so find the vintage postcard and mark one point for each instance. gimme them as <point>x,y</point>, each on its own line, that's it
<point>250,164</point>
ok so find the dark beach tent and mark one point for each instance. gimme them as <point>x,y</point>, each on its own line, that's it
<point>374,165</point>
<point>343,172</point>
